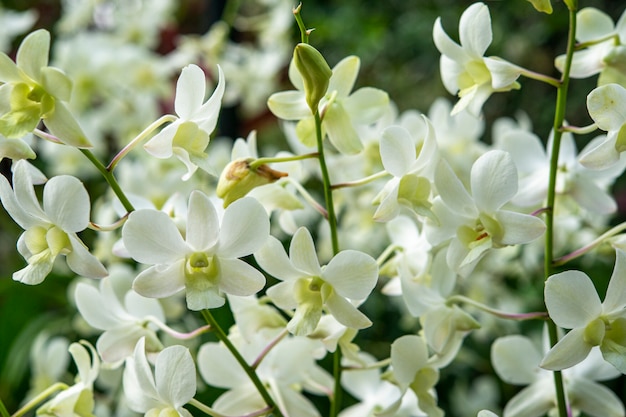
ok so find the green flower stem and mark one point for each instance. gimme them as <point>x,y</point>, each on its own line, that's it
<point>580,130</point>
<point>108,228</point>
<point>375,365</point>
<point>106,173</point>
<point>579,252</point>
<point>335,403</point>
<point>304,32</point>
<point>3,410</point>
<point>361,181</point>
<point>211,412</point>
<point>328,192</point>
<point>270,160</point>
<point>221,335</point>
<point>168,118</point>
<point>559,117</point>
<point>541,77</point>
<point>110,179</point>
<point>47,136</point>
<point>509,316</point>
<point>587,44</point>
<point>176,334</point>
<point>59,386</point>
<point>268,348</point>
<point>308,197</point>
<point>387,254</point>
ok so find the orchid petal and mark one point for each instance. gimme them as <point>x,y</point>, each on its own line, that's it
<point>515,359</point>
<point>594,399</point>
<point>452,191</point>
<point>175,375</point>
<point>239,278</point>
<point>218,367</point>
<point>302,253</point>
<point>593,24</point>
<point>66,202</point>
<point>569,351</point>
<point>341,131</point>
<point>289,105</point>
<point>353,274</point>
<point>161,281</point>
<point>344,76</point>
<point>408,355</point>
<point>366,105</point>
<point>33,52</point>
<point>571,299</point>
<point>493,180</point>
<point>533,401</point>
<point>245,228</point>
<point>274,260</point>
<point>160,146</point>
<point>190,90</point>
<point>82,262</point>
<point>151,237</point>
<point>475,29</point>
<point>397,150</point>
<point>448,48</point>
<point>202,230</point>
<point>518,227</point>
<point>615,299</point>
<point>345,313</point>
<point>607,106</point>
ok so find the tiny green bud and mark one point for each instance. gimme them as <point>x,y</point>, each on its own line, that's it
<point>238,179</point>
<point>315,73</point>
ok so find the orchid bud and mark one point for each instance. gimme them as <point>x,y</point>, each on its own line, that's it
<point>315,73</point>
<point>238,179</point>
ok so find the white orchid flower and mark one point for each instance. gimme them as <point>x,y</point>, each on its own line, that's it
<point>375,393</point>
<point>573,303</point>
<point>607,52</point>
<point>342,108</point>
<point>349,276</point>
<point>588,188</point>
<point>49,231</point>
<point>189,135</point>
<point>77,400</point>
<point>464,69</point>
<point>205,263</point>
<point>516,360</point>
<point>477,222</point>
<point>33,91</point>
<point>168,389</point>
<point>412,173</point>
<point>123,324</point>
<point>606,107</point>
<point>48,362</point>
<point>288,368</point>
<point>412,369</point>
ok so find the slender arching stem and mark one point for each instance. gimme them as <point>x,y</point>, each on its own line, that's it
<point>110,179</point>
<point>559,118</point>
<point>223,337</point>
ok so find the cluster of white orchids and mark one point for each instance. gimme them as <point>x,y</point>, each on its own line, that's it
<point>233,278</point>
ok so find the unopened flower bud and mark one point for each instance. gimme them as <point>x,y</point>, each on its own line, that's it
<point>238,179</point>
<point>315,73</point>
